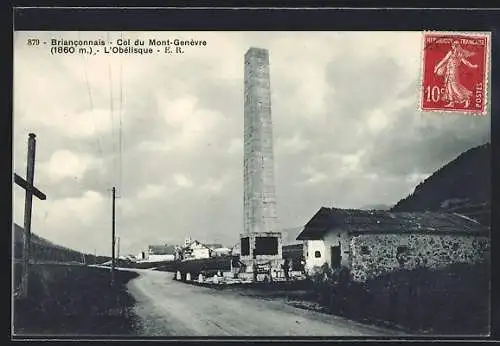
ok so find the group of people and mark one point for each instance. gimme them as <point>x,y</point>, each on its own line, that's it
<point>288,266</point>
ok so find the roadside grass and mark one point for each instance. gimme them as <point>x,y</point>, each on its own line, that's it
<point>75,300</point>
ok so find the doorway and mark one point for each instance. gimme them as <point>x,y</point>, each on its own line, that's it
<point>336,256</point>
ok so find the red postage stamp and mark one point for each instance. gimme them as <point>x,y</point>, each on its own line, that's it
<point>455,72</point>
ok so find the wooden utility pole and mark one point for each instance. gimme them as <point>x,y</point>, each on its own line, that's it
<point>113,239</point>
<point>118,247</point>
<point>28,204</point>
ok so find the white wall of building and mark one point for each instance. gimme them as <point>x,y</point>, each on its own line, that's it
<point>313,248</point>
<point>201,252</point>
<point>141,256</point>
<point>222,251</point>
<point>160,258</point>
<point>335,237</point>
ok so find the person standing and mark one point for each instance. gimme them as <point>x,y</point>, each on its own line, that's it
<point>290,266</point>
<point>286,268</point>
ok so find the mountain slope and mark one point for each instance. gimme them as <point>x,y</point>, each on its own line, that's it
<point>45,250</point>
<point>289,235</point>
<point>376,207</point>
<point>35,239</point>
<point>463,186</point>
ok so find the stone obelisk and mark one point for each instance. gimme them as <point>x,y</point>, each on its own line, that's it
<point>258,160</point>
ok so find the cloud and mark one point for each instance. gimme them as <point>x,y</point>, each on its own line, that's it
<point>235,146</point>
<point>182,181</point>
<point>292,144</point>
<point>314,176</point>
<point>215,186</point>
<point>66,164</point>
<point>83,208</point>
<point>190,126</point>
<point>151,191</point>
<point>377,120</point>
<point>424,142</point>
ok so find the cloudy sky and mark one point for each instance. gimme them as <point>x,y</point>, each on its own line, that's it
<point>347,132</point>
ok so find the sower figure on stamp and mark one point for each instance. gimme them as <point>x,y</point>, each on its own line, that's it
<point>454,92</point>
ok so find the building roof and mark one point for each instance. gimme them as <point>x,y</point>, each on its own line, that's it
<point>202,245</point>
<point>161,249</point>
<point>214,246</point>
<point>380,221</point>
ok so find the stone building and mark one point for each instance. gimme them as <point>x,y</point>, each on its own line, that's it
<point>372,243</point>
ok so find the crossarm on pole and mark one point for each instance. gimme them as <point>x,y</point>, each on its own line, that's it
<point>24,184</point>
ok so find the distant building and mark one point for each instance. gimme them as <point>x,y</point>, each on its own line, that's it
<point>161,249</point>
<point>198,250</point>
<point>161,258</point>
<point>141,256</point>
<point>157,253</point>
<point>194,250</point>
<point>130,257</point>
<point>222,251</point>
<point>214,246</point>
<point>371,243</point>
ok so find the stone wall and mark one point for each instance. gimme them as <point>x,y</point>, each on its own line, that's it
<point>376,254</point>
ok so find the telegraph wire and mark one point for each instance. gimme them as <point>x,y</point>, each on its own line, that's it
<point>89,94</point>
<point>89,91</point>
<point>111,108</point>
<point>120,141</point>
<point>113,155</point>
<point>120,133</point>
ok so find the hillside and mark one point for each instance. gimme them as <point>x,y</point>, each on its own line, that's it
<point>35,239</point>
<point>376,207</point>
<point>463,186</point>
<point>45,250</point>
<point>289,235</point>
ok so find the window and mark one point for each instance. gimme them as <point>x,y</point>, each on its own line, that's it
<point>245,246</point>
<point>401,254</point>
<point>317,254</point>
<point>365,250</point>
<point>403,249</point>
<point>266,246</point>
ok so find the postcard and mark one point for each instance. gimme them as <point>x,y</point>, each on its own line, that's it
<point>286,184</point>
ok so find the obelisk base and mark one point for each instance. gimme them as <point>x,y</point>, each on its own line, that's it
<point>261,256</point>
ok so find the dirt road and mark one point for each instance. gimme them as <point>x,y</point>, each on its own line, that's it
<point>171,308</point>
